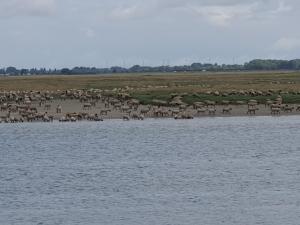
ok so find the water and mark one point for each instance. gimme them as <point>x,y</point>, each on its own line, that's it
<point>155,172</point>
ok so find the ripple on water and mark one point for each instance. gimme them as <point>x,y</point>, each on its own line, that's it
<point>204,171</point>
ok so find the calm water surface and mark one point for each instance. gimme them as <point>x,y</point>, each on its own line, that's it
<point>156,172</point>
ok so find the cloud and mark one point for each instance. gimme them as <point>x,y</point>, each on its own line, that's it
<point>135,10</point>
<point>216,12</point>
<point>27,7</point>
<point>126,12</point>
<point>287,44</point>
<point>282,8</point>
<point>223,15</point>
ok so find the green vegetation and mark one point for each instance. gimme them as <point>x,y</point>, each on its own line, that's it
<point>191,98</point>
<point>147,98</point>
<point>193,86</point>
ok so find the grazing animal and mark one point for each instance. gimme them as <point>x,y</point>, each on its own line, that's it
<point>269,102</point>
<point>145,111</point>
<point>225,102</point>
<point>47,106</point>
<point>87,106</point>
<point>93,103</point>
<point>198,105</point>
<point>240,102</point>
<point>58,109</point>
<point>126,118</point>
<point>183,116</point>
<point>73,119</point>
<point>227,110</point>
<point>175,112</point>
<point>4,107</point>
<point>275,111</point>
<point>136,116</point>
<point>288,108</point>
<point>46,118</point>
<point>63,119</point>
<point>212,111</point>
<point>252,105</point>
<point>125,108</point>
<point>275,106</point>
<point>201,110</point>
<point>252,111</point>
<point>104,111</point>
<point>210,103</point>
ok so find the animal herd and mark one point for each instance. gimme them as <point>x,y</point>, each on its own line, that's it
<point>38,106</point>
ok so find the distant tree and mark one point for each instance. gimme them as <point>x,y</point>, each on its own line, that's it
<point>65,71</point>
<point>260,64</point>
<point>24,71</point>
<point>117,69</point>
<point>11,71</point>
<point>33,71</point>
<point>295,64</point>
<point>257,64</point>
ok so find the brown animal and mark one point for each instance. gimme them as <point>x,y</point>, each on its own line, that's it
<point>58,109</point>
<point>47,106</point>
<point>212,111</point>
<point>104,111</point>
<point>288,108</point>
<point>87,106</point>
<point>227,110</point>
<point>252,111</point>
<point>275,111</point>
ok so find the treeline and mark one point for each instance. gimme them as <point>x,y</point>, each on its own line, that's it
<point>257,64</point>
<point>260,64</point>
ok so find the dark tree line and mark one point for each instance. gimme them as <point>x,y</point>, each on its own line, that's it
<point>260,64</point>
<point>257,64</point>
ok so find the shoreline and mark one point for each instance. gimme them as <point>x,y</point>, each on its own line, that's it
<point>73,107</point>
<point>151,119</point>
<point>78,105</point>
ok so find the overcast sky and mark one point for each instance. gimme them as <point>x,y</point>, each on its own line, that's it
<point>67,33</point>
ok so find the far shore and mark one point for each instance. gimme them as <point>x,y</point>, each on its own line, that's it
<point>139,96</point>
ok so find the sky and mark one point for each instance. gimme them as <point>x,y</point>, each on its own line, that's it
<point>103,33</point>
